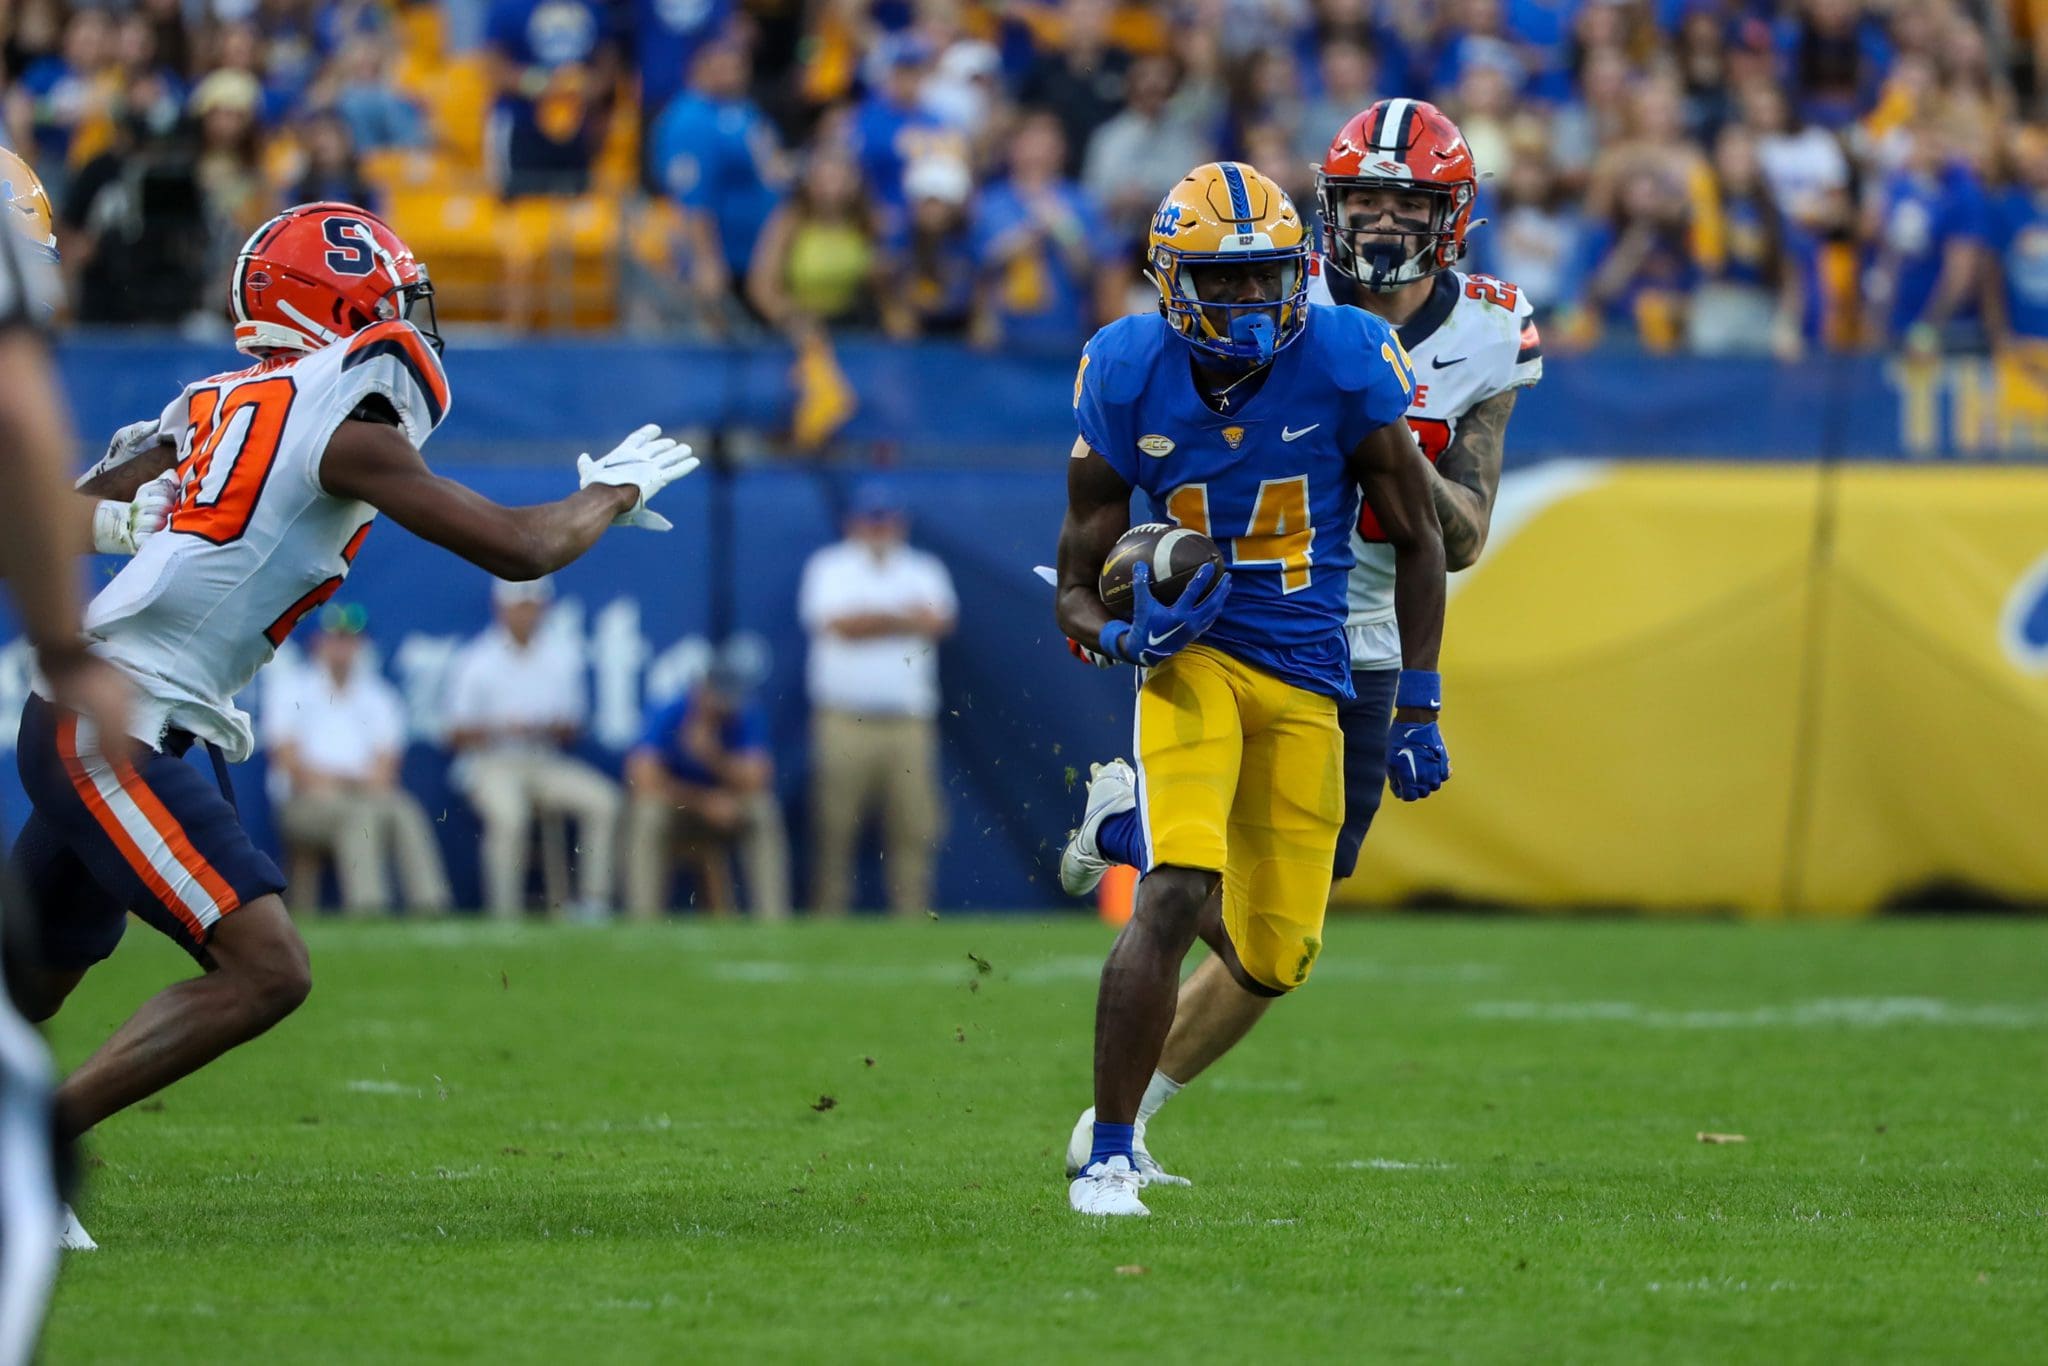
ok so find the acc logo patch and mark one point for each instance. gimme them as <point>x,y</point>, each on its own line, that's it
<point>2023,625</point>
<point>1156,445</point>
<point>1233,437</point>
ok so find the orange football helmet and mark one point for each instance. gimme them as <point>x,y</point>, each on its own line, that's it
<point>1406,145</point>
<point>320,272</point>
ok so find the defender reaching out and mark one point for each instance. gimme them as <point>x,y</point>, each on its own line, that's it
<point>281,471</point>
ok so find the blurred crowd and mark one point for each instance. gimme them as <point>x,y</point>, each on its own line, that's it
<point>1715,175</point>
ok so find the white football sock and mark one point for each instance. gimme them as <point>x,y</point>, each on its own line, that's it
<point>1158,1091</point>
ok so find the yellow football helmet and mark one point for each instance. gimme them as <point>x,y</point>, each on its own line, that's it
<point>21,191</point>
<point>1230,258</point>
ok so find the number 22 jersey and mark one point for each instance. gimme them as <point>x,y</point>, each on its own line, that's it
<point>254,542</point>
<point>1269,481</point>
<point>1474,337</point>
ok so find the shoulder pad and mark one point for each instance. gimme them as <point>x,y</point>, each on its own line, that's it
<point>1348,341</point>
<point>1120,356</point>
<point>394,359</point>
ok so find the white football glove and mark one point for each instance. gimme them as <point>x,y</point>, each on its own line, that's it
<point>131,443</point>
<point>121,528</point>
<point>647,461</point>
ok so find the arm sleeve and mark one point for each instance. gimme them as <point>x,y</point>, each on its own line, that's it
<point>1104,425</point>
<point>818,599</point>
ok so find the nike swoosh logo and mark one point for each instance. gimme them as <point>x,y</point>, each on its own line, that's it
<point>1442,364</point>
<point>1290,434</point>
<point>1160,638</point>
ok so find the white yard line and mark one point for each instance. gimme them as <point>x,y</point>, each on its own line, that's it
<point>1861,1012</point>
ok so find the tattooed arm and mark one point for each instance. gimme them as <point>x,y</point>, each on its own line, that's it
<point>1468,477</point>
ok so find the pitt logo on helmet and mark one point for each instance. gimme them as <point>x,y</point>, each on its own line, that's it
<point>21,190</point>
<point>1229,256</point>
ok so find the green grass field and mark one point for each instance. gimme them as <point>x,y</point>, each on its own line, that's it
<point>1467,1140</point>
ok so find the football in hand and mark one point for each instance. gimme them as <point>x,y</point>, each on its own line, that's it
<point>1174,553</point>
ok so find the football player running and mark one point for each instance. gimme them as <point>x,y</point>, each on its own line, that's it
<point>281,470</point>
<point>1239,410</point>
<point>1395,192</point>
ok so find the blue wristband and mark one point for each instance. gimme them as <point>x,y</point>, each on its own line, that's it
<point>1419,688</point>
<point>1111,641</point>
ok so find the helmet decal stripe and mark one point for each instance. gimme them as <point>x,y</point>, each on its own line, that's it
<point>1396,124</point>
<point>1240,200</point>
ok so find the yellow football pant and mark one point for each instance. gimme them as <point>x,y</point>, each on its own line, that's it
<point>1242,774</point>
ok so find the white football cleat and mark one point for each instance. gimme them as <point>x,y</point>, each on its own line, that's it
<point>1112,787</point>
<point>73,1237</point>
<point>1081,1146</point>
<point>1110,1187</point>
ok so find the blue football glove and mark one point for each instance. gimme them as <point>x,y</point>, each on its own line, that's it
<point>1417,763</point>
<point>1158,630</point>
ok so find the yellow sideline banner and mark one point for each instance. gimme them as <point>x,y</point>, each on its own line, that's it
<point>1687,687</point>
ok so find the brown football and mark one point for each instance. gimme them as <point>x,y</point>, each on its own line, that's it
<point>1174,552</point>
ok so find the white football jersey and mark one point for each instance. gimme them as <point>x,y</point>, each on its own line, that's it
<point>1474,337</point>
<point>254,543</point>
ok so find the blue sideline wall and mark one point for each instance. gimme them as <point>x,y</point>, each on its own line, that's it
<point>977,444</point>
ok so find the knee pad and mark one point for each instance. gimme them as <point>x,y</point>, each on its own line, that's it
<point>1276,954</point>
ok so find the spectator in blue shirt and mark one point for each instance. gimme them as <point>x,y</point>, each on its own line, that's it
<point>1929,231</point>
<point>332,172</point>
<point>931,258</point>
<point>891,126</point>
<point>1641,272</point>
<point>716,155</point>
<point>2016,287</point>
<point>702,783</point>
<point>668,35</point>
<point>553,66</point>
<point>1542,31</point>
<point>378,115</point>
<point>1037,244</point>
<point>59,93</point>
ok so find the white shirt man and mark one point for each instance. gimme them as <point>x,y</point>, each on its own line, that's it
<point>875,610</point>
<point>516,702</point>
<point>336,735</point>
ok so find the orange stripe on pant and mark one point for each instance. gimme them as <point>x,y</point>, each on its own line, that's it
<point>182,849</point>
<point>88,791</point>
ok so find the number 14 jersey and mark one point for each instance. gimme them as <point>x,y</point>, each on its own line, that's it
<point>254,543</point>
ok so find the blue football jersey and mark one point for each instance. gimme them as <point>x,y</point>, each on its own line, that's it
<point>1270,483</point>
